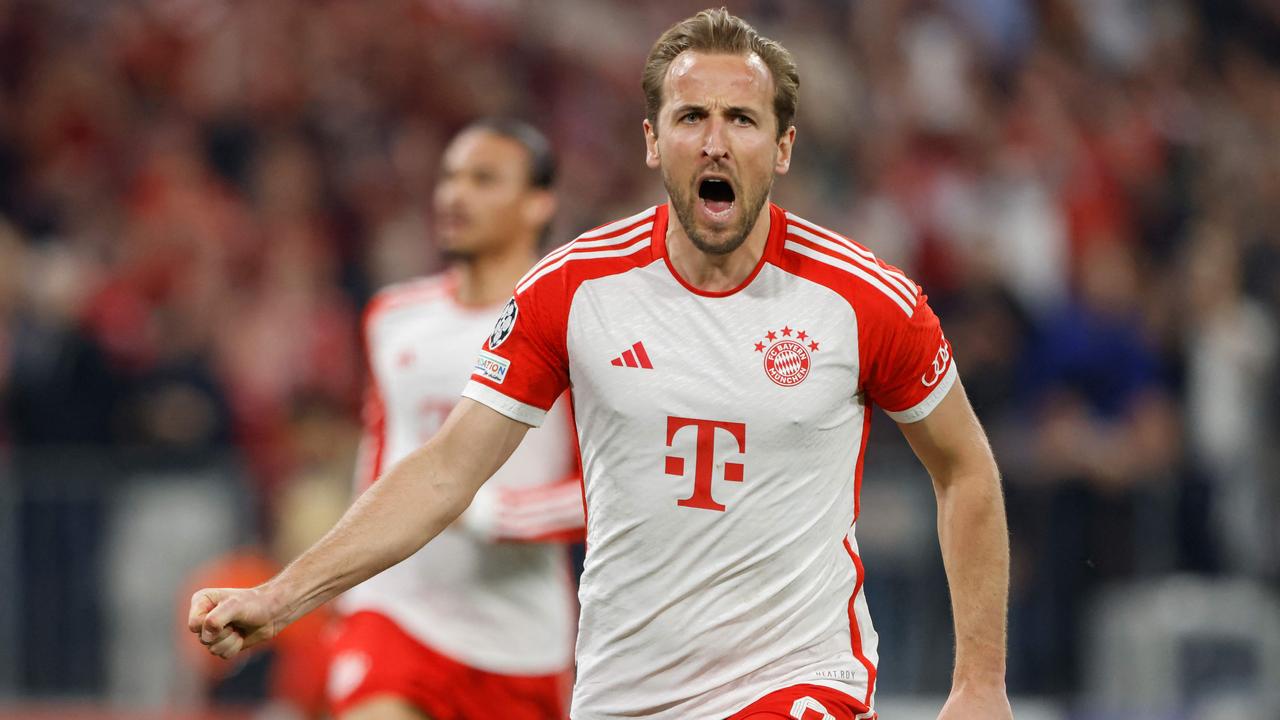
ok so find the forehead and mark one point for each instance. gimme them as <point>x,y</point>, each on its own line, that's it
<point>485,147</point>
<point>708,79</point>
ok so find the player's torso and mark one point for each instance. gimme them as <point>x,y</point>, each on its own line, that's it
<point>719,439</point>
<point>421,355</point>
<point>506,607</point>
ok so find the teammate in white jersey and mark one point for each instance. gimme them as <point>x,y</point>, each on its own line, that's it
<point>482,619</point>
<point>723,357</point>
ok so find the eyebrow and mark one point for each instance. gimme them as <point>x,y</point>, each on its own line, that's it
<point>732,110</point>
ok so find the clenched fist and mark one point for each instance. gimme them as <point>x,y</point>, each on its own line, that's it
<point>229,620</point>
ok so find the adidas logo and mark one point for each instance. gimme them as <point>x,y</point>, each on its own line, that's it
<point>635,357</point>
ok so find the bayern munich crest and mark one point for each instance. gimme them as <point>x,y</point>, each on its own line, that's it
<point>787,355</point>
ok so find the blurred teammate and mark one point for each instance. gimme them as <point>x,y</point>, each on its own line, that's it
<point>483,617</point>
<point>724,355</point>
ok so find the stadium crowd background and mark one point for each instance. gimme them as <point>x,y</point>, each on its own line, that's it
<point>196,198</point>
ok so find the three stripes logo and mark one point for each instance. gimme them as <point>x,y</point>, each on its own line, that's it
<point>634,357</point>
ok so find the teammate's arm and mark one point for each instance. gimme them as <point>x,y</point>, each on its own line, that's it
<point>406,507</point>
<point>550,512</point>
<point>975,551</point>
<point>545,513</point>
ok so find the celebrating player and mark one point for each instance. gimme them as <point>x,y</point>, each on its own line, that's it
<point>483,616</point>
<point>724,355</point>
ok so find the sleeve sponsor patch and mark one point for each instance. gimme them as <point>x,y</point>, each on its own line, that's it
<point>941,362</point>
<point>491,367</point>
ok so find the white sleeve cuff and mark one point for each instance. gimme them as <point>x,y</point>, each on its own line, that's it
<point>921,410</point>
<point>512,408</point>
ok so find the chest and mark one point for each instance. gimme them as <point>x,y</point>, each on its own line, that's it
<point>779,356</point>
<point>421,357</point>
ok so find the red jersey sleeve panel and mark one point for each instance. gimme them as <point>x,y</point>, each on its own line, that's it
<point>907,367</point>
<point>369,457</point>
<point>524,365</point>
<point>904,360</point>
<point>373,413</point>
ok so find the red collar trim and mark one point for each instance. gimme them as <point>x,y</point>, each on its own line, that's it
<point>772,248</point>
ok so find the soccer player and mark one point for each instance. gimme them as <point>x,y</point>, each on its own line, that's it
<point>723,356</point>
<point>484,615</point>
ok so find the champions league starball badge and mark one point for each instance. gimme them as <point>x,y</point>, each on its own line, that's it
<point>507,321</point>
<point>786,355</point>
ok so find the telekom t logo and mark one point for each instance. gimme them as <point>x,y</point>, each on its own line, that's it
<point>704,460</point>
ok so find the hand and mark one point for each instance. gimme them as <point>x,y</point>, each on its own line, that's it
<point>229,620</point>
<point>968,703</point>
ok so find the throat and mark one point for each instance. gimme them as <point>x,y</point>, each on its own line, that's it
<point>713,272</point>
<point>486,280</point>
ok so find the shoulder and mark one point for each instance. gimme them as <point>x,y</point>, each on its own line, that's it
<point>415,293</point>
<point>830,259</point>
<point>613,248</point>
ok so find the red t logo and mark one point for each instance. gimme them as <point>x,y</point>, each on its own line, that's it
<point>704,458</point>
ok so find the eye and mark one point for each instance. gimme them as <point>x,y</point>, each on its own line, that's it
<point>690,117</point>
<point>743,120</point>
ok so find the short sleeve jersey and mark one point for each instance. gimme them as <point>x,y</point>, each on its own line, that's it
<point>721,438</point>
<point>500,606</point>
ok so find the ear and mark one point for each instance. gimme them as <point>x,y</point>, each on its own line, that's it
<point>651,145</point>
<point>538,208</point>
<point>785,143</point>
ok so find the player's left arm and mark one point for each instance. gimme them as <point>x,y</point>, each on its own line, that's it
<point>974,536</point>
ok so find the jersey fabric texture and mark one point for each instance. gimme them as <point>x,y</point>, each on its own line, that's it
<point>373,657</point>
<point>722,472</point>
<point>489,592</point>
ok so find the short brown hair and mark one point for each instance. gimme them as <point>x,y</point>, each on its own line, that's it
<point>717,31</point>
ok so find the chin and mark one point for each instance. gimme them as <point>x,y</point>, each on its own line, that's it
<point>456,254</point>
<point>720,241</point>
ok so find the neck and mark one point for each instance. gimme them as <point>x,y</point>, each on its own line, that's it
<point>490,278</point>
<point>711,272</point>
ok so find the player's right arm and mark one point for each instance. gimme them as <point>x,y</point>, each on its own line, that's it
<point>410,504</point>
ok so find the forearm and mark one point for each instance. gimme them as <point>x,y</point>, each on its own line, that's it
<point>974,537</point>
<point>408,506</point>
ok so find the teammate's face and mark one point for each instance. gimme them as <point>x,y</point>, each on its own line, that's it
<point>483,199</point>
<point>718,146</point>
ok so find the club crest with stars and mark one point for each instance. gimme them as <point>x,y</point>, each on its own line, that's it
<point>786,355</point>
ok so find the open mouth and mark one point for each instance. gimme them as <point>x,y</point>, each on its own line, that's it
<point>717,195</point>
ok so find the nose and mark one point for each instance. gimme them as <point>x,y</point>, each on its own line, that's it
<point>715,145</point>
<point>447,193</point>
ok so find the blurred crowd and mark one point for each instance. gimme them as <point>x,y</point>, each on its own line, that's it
<point>197,197</point>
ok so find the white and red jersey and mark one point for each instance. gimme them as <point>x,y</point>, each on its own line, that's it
<point>721,437</point>
<point>493,591</point>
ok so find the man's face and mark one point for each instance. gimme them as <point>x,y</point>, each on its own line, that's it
<point>483,198</point>
<point>717,145</point>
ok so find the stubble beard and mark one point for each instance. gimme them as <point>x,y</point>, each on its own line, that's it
<point>684,201</point>
<point>460,257</point>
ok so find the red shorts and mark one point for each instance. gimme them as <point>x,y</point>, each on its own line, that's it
<point>371,657</point>
<point>803,702</point>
